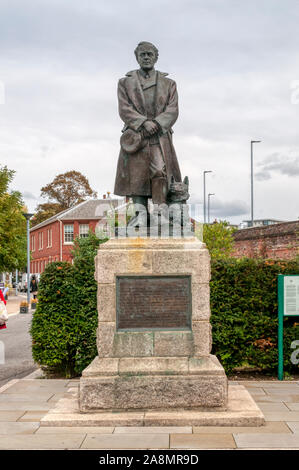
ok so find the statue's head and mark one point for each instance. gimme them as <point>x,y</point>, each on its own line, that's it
<point>146,54</point>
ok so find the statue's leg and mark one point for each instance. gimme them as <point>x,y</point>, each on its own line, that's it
<point>140,207</point>
<point>159,186</point>
<point>158,175</point>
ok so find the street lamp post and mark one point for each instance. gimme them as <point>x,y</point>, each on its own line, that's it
<point>209,195</point>
<point>251,164</point>
<point>28,217</point>
<point>204,194</point>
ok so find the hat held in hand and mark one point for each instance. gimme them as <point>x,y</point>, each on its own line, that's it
<point>132,141</point>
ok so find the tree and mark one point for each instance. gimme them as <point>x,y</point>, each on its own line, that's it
<point>45,211</point>
<point>68,189</point>
<point>12,225</point>
<point>65,191</point>
<point>219,239</point>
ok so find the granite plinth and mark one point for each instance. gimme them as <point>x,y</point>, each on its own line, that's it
<point>241,411</point>
<point>141,366</point>
<point>153,382</point>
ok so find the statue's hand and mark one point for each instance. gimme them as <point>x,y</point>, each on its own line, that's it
<point>151,127</point>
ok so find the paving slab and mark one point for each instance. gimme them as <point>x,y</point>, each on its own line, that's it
<point>153,429</point>
<point>76,430</point>
<point>35,385</point>
<point>32,416</point>
<point>25,397</point>
<point>281,415</point>
<point>11,415</point>
<point>126,441</point>
<point>282,391</point>
<point>293,406</point>
<point>294,426</point>
<point>268,383</point>
<point>19,442</point>
<point>25,406</point>
<point>273,406</point>
<point>269,441</point>
<point>268,427</point>
<point>256,391</point>
<point>8,385</point>
<point>202,441</point>
<point>7,427</point>
<point>277,398</point>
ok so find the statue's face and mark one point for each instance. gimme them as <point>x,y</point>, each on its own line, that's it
<point>146,57</point>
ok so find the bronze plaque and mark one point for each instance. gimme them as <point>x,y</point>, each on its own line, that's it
<point>153,302</point>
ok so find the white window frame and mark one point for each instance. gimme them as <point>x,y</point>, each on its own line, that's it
<point>83,233</point>
<point>40,240</point>
<point>68,242</point>
<point>32,242</point>
<point>49,235</point>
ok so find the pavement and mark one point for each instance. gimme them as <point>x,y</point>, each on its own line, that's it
<point>16,341</point>
<point>13,303</point>
<point>23,402</point>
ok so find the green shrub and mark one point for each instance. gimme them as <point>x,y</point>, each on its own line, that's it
<point>64,324</point>
<point>86,298</point>
<point>244,313</point>
<point>54,343</point>
<point>219,239</point>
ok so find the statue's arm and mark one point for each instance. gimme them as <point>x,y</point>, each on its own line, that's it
<point>127,112</point>
<point>167,119</point>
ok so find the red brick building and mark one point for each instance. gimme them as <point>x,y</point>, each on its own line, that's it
<point>52,240</point>
<point>279,241</point>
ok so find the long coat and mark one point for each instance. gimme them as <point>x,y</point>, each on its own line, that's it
<point>132,176</point>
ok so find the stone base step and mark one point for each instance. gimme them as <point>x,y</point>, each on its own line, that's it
<point>241,411</point>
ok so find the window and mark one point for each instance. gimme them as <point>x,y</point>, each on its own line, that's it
<point>83,230</point>
<point>40,241</point>
<point>33,243</point>
<point>49,233</point>
<point>68,233</point>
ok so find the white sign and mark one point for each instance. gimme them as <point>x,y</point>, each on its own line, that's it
<point>291,295</point>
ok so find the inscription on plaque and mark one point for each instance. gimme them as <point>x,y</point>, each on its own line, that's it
<point>153,302</point>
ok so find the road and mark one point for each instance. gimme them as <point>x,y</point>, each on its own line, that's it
<point>18,360</point>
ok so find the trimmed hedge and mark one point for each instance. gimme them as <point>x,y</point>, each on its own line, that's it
<point>244,313</point>
<point>55,321</point>
<point>64,324</point>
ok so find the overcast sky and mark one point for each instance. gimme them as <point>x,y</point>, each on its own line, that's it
<point>234,63</point>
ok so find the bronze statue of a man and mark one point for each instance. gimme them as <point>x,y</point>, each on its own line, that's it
<point>148,105</point>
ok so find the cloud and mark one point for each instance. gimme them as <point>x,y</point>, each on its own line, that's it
<point>219,208</point>
<point>278,163</point>
<point>226,209</point>
<point>28,195</point>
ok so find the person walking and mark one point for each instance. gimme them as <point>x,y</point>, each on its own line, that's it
<point>3,311</point>
<point>33,286</point>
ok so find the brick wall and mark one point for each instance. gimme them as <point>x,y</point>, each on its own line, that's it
<point>41,256</point>
<point>279,241</point>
